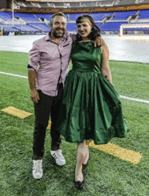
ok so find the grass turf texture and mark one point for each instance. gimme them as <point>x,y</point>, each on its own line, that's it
<point>105,175</point>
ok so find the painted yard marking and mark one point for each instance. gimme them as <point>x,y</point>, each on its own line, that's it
<point>16,112</point>
<point>117,151</point>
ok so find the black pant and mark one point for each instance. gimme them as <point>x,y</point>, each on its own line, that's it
<point>46,105</point>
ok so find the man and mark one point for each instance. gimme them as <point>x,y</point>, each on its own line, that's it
<point>47,69</point>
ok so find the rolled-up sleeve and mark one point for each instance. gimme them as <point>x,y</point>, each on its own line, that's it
<point>34,56</point>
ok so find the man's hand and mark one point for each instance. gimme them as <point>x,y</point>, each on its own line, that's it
<point>34,96</point>
<point>99,42</point>
<point>32,81</point>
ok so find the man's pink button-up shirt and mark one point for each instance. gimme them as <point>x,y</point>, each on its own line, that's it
<point>50,61</point>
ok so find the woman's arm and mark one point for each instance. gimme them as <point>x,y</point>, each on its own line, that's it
<point>105,69</point>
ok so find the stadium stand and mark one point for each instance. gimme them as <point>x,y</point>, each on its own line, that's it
<point>6,16</point>
<point>27,17</point>
<point>144,14</point>
<point>123,15</point>
<point>107,21</point>
<point>100,16</point>
<point>99,24</point>
<point>96,16</point>
<point>71,27</point>
<point>9,29</point>
<point>42,26</point>
<point>44,16</point>
<point>74,16</point>
<point>25,28</point>
<point>112,26</point>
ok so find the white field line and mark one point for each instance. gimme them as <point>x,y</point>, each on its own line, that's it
<point>134,99</point>
<point>13,75</point>
<point>123,97</point>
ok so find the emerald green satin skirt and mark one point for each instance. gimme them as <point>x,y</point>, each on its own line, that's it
<point>90,109</point>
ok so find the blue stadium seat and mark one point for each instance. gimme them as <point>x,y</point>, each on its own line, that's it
<point>6,16</point>
<point>10,29</point>
<point>40,26</point>
<point>71,27</point>
<point>25,28</point>
<point>144,14</point>
<point>74,16</point>
<point>46,16</point>
<point>99,24</point>
<point>27,17</point>
<point>100,16</point>
<point>112,26</point>
<point>123,15</point>
<point>95,16</point>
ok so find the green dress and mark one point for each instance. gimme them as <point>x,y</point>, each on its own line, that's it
<point>91,107</point>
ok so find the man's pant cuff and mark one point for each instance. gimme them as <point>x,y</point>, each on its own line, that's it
<point>35,157</point>
<point>55,147</point>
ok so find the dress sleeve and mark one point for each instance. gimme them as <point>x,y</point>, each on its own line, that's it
<point>34,56</point>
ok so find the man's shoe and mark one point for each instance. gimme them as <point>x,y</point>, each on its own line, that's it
<point>57,155</point>
<point>37,169</point>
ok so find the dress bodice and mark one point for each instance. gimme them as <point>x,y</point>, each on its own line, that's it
<point>85,57</point>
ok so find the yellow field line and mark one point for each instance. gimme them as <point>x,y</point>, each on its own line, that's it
<point>15,112</point>
<point>117,151</point>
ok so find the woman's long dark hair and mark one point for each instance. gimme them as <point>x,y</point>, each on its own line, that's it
<point>95,32</point>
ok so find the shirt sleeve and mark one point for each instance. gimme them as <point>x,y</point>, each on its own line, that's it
<point>73,36</point>
<point>34,56</point>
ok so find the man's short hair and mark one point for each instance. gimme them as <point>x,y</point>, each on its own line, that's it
<point>56,14</point>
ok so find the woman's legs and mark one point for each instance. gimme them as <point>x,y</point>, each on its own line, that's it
<point>87,153</point>
<point>82,158</point>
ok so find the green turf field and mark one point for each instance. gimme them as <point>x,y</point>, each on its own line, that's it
<point>105,175</point>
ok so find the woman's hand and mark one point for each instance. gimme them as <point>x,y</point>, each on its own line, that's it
<point>99,42</point>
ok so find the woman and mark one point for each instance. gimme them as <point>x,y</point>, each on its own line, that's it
<point>91,108</point>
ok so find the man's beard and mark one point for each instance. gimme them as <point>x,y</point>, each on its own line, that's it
<point>55,34</point>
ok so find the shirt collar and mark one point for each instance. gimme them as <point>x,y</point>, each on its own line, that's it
<point>48,37</point>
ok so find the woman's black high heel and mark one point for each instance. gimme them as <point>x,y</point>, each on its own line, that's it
<point>79,185</point>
